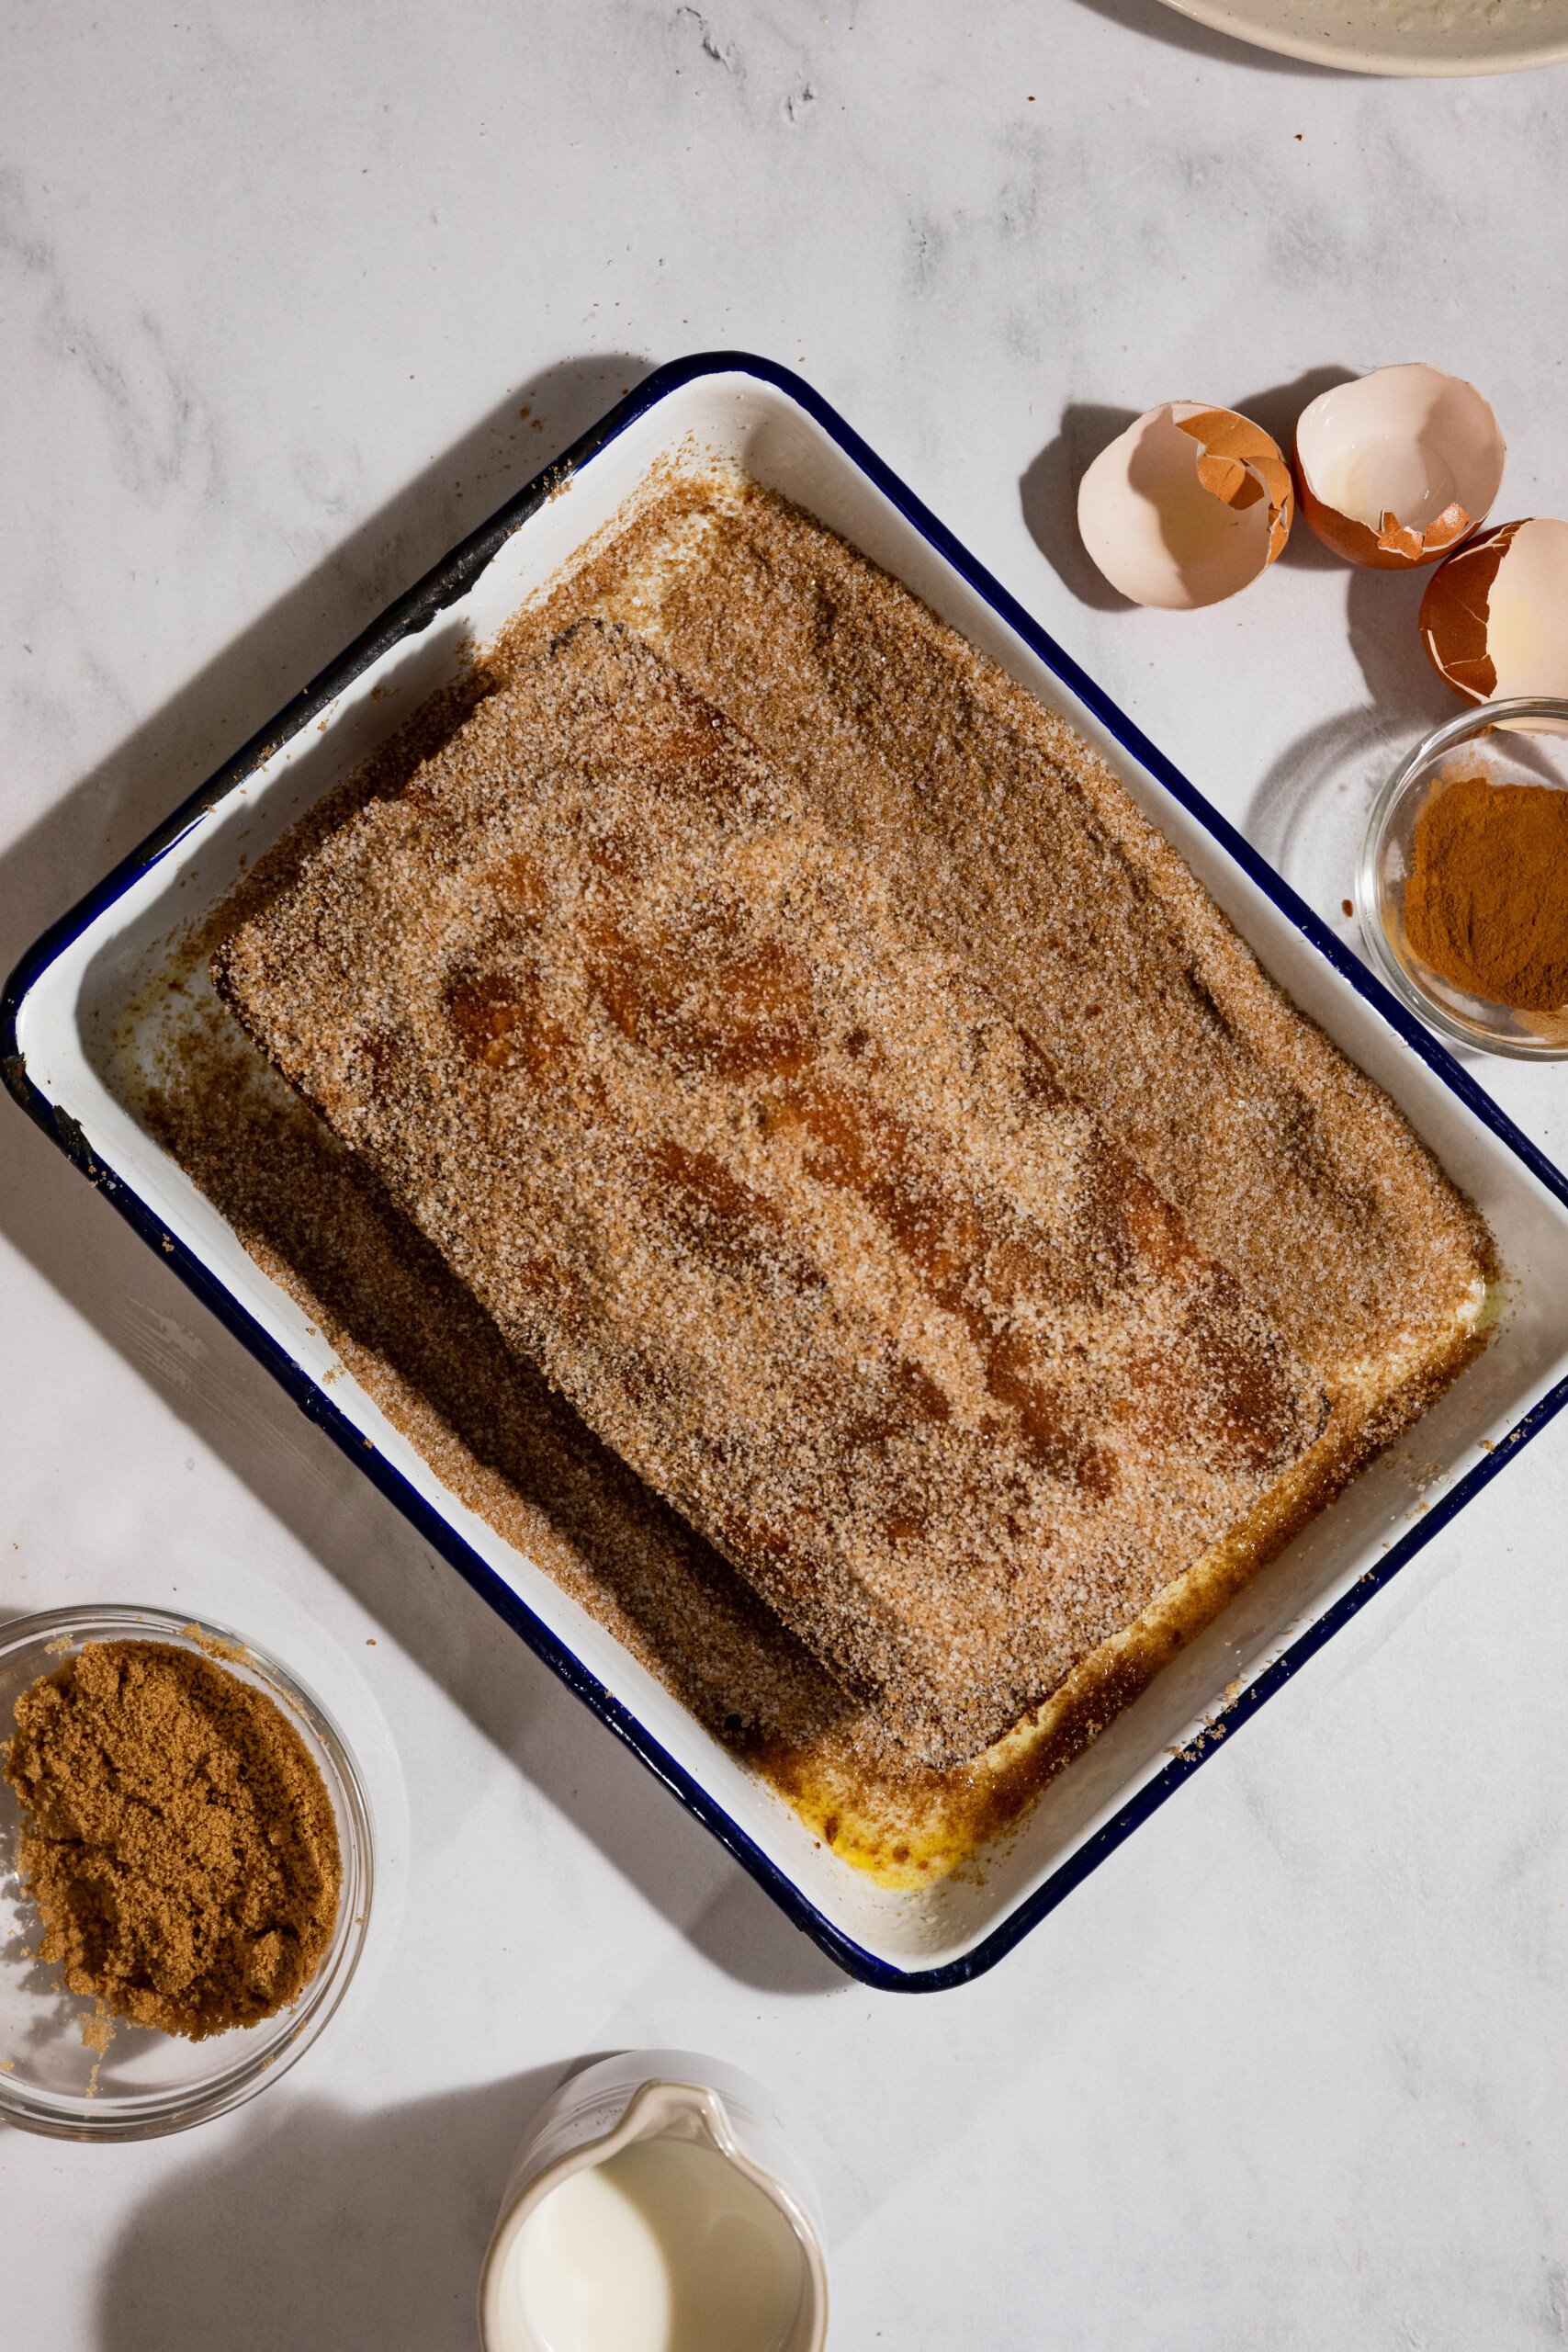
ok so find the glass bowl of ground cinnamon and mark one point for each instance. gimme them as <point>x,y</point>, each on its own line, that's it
<point>1463,881</point>
<point>186,1865</point>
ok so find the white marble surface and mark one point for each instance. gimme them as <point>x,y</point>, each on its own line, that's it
<point>277,282</point>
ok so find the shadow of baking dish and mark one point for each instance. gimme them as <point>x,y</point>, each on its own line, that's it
<point>319,2230</point>
<point>99,1267</point>
<point>241,688</point>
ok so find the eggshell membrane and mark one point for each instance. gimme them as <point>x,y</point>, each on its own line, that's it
<point>1187,506</point>
<point>1495,616</point>
<point>1395,469</point>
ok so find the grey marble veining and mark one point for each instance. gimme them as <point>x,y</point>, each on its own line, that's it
<point>293,296</point>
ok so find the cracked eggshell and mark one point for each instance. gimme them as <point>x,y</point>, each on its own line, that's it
<point>1495,616</point>
<point>1187,505</point>
<point>1397,467</point>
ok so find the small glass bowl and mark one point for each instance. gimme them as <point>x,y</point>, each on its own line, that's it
<point>1521,741</point>
<point>146,2083</point>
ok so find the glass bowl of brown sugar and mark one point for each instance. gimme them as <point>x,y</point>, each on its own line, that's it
<point>185,1868</point>
<point>1462,889</point>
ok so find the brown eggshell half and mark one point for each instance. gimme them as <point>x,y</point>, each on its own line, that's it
<point>1187,505</point>
<point>1453,616</point>
<point>1494,617</point>
<point>1396,469</point>
<point>1239,463</point>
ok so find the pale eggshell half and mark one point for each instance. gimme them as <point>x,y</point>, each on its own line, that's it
<point>1397,467</point>
<point>1495,616</point>
<point>1187,505</point>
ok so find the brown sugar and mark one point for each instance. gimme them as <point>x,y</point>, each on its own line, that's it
<point>1486,903</point>
<point>177,1839</point>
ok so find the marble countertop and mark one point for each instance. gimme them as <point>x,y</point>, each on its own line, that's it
<point>279,287</point>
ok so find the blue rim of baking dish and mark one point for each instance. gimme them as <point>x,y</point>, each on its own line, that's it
<point>441,586</point>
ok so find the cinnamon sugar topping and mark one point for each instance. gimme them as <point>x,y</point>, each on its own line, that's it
<point>1358,1272</point>
<point>786,1205</point>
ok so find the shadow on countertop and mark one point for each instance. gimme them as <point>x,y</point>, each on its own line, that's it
<point>1310,808</point>
<point>241,688</point>
<point>319,2228</point>
<point>103,1271</point>
<point>1048,491</point>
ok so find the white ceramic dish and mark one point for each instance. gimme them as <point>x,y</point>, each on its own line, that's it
<point>80,978</point>
<point>1410,37</point>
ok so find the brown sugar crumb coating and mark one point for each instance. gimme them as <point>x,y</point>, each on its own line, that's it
<point>1028,857</point>
<point>799,1220</point>
<point>177,1839</point>
<point>989,814</point>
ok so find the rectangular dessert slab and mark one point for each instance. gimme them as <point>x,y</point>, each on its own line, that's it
<point>89,978</point>
<point>629,1099</point>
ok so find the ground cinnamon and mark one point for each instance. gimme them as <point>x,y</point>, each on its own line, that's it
<point>1486,903</point>
<point>177,1838</point>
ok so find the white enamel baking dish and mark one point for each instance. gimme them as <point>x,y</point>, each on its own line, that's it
<point>90,964</point>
